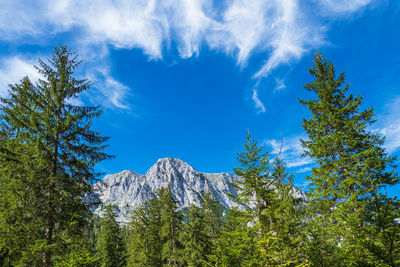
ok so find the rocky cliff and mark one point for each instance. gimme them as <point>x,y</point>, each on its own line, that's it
<point>128,189</point>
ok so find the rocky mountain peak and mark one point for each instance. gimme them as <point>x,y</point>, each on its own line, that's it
<point>167,167</point>
<point>128,189</point>
<point>171,162</point>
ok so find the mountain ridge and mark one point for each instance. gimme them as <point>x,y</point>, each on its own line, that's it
<point>128,189</point>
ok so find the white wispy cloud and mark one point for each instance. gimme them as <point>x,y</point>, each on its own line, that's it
<point>290,150</point>
<point>392,134</point>
<point>123,24</point>
<point>13,69</point>
<point>343,7</point>
<point>280,29</point>
<point>20,18</point>
<point>389,125</point>
<point>280,85</point>
<point>240,28</point>
<point>290,38</point>
<point>113,90</point>
<point>258,104</point>
<point>303,170</point>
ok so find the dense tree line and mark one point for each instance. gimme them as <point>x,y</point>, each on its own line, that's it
<point>47,158</point>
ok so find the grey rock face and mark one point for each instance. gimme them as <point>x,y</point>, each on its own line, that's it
<point>128,189</point>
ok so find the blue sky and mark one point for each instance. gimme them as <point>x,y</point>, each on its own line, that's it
<point>188,78</point>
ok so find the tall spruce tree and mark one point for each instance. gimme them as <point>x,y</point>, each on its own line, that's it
<point>78,254</point>
<point>19,188</point>
<point>213,213</point>
<point>110,244</point>
<point>382,230</point>
<point>171,228</point>
<point>144,239</point>
<point>50,144</point>
<point>255,189</point>
<point>352,165</point>
<point>287,216</point>
<point>196,238</point>
<point>266,192</point>
<point>237,244</point>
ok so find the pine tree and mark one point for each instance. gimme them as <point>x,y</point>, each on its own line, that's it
<point>138,243</point>
<point>81,250</point>
<point>266,192</point>
<point>79,254</point>
<point>54,156</point>
<point>144,239</point>
<point>237,244</point>
<point>196,240</point>
<point>171,221</point>
<point>352,164</point>
<point>110,245</point>
<point>382,230</point>
<point>18,186</point>
<point>212,216</point>
<point>255,187</point>
<point>287,215</point>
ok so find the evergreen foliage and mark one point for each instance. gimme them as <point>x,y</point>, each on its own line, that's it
<point>196,239</point>
<point>19,184</point>
<point>171,228</point>
<point>382,231</point>
<point>267,194</point>
<point>144,240</point>
<point>110,244</point>
<point>287,215</point>
<point>52,150</point>
<point>352,170</point>
<point>238,242</point>
<point>255,187</point>
<point>213,215</point>
<point>78,254</point>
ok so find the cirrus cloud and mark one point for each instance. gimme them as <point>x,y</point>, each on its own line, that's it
<point>12,69</point>
<point>282,30</point>
<point>389,126</point>
<point>290,151</point>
